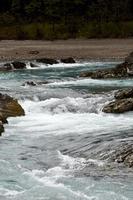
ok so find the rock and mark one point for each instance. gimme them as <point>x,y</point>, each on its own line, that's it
<point>9,107</point>
<point>18,65</point>
<point>123,94</point>
<point>32,83</point>
<point>122,70</point>
<point>48,61</point>
<point>1,128</point>
<point>119,106</point>
<point>3,119</point>
<point>13,66</point>
<point>68,60</point>
<point>8,66</point>
<point>33,65</point>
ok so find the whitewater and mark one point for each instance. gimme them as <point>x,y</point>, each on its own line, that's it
<point>62,148</point>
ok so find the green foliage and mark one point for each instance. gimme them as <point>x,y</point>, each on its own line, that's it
<point>62,19</point>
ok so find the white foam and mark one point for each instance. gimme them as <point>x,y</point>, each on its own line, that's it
<point>95,82</point>
<point>70,65</point>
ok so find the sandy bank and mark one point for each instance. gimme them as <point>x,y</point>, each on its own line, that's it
<point>110,49</point>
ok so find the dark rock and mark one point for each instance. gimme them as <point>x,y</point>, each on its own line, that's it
<point>119,106</point>
<point>49,61</point>
<point>68,60</point>
<point>6,67</point>
<point>32,83</point>
<point>123,94</point>
<point>33,65</point>
<point>1,128</point>
<point>19,65</point>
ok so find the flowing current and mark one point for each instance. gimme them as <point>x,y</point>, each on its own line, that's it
<point>63,148</point>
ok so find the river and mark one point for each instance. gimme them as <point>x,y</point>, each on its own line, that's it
<point>63,148</point>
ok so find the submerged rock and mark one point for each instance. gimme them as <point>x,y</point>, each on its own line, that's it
<point>124,155</point>
<point>119,106</point>
<point>49,61</point>
<point>68,60</point>
<point>33,83</point>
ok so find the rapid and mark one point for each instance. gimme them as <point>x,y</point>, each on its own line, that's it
<point>63,148</point>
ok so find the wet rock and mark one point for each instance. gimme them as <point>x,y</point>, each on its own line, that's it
<point>48,61</point>
<point>1,128</point>
<point>6,67</point>
<point>33,83</point>
<point>120,71</point>
<point>123,94</point>
<point>9,107</point>
<point>68,60</point>
<point>34,65</point>
<point>18,65</point>
<point>119,106</point>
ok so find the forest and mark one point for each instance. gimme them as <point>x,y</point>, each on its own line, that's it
<point>63,19</point>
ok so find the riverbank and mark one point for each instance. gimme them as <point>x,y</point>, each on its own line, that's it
<point>94,49</point>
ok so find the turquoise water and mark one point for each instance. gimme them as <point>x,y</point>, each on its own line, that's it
<point>62,148</point>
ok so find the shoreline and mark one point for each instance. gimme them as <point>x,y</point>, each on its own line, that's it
<point>91,49</point>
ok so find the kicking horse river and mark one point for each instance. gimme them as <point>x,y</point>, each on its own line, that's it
<point>63,148</point>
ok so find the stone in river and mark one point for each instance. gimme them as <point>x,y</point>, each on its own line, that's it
<point>49,61</point>
<point>126,93</point>
<point>119,106</point>
<point>68,60</point>
<point>18,65</point>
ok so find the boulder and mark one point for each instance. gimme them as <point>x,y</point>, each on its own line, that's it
<point>48,61</point>
<point>68,60</point>
<point>123,94</point>
<point>9,107</point>
<point>18,65</point>
<point>119,106</point>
